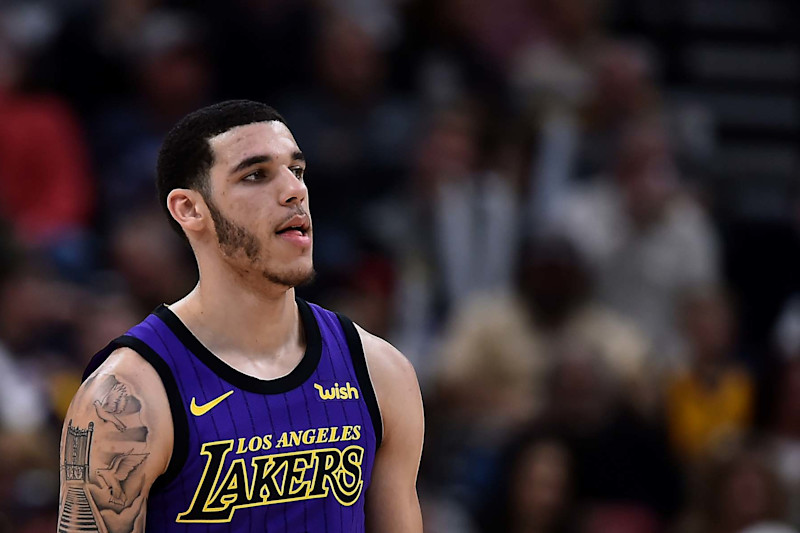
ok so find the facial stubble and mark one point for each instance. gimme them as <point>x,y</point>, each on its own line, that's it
<point>234,239</point>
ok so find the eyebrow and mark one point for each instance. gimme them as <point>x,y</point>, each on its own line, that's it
<point>258,159</point>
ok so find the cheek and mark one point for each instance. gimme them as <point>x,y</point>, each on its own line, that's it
<point>252,214</point>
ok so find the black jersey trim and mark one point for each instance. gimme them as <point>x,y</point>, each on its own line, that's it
<point>180,424</point>
<point>362,375</point>
<point>292,380</point>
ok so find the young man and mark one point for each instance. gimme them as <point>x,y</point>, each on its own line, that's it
<point>240,408</point>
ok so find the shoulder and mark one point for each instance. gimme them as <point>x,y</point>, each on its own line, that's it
<point>383,358</point>
<point>126,384</point>
<point>120,409</point>
<point>393,378</point>
<point>127,363</point>
<point>392,502</point>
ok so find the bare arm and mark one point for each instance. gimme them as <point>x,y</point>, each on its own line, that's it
<point>392,504</point>
<point>117,440</point>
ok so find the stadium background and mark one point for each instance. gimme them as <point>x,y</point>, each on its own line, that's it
<point>579,218</point>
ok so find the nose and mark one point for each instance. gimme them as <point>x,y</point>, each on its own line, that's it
<point>293,190</point>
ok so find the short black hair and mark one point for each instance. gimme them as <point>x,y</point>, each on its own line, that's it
<point>186,157</point>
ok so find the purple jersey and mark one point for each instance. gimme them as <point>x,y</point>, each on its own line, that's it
<point>287,455</point>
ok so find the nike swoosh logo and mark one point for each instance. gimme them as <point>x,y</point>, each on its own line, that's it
<point>200,410</point>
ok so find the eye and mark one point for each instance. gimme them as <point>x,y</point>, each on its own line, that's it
<point>256,175</point>
<point>299,172</point>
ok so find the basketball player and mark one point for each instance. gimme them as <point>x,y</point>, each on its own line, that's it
<point>241,408</point>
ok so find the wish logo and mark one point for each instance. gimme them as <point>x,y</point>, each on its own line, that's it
<point>337,392</point>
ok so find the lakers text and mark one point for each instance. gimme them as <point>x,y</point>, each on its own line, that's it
<point>278,477</point>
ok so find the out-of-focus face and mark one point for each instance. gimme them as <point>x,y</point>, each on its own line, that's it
<point>709,326</point>
<point>259,203</point>
<point>542,484</point>
<point>646,172</point>
<point>356,78</point>
<point>746,495</point>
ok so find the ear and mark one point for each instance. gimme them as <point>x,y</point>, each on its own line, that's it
<point>188,208</point>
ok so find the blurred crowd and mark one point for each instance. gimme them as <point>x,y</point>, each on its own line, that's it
<point>501,189</point>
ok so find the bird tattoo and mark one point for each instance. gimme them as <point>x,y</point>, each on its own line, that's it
<point>113,404</point>
<point>117,473</point>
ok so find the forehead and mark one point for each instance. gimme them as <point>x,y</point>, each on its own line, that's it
<point>271,138</point>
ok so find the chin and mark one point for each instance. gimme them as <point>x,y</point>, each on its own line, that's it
<point>292,277</point>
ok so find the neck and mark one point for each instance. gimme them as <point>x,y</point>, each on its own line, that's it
<point>709,369</point>
<point>233,315</point>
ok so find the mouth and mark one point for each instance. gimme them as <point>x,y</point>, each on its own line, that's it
<point>296,229</point>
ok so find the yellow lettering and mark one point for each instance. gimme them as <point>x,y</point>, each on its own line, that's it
<point>254,444</point>
<point>352,392</point>
<point>324,394</point>
<point>295,438</point>
<point>240,448</point>
<point>312,433</point>
<point>275,479</point>
<point>283,441</point>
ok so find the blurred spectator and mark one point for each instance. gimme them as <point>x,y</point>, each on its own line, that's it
<point>37,317</point>
<point>366,294</point>
<point>711,400</point>
<point>474,210</point>
<point>556,286</point>
<point>90,57</point>
<point>622,461</point>
<point>741,490</point>
<point>28,471</point>
<point>353,129</point>
<point>168,64</point>
<point>151,259</point>
<point>440,515</point>
<point>101,317</point>
<point>619,518</point>
<point>378,18</point>
<point>533,492</point>
<point>36,307</point>
<point>785,434</point>
<point>579,87</point>
<point>22,400</point>
<point>769,527</point>
<point>41,143</point>
<point>646,239</point>
<point>454,232</point>
<point>260,50</point>
<point>446,54</point>
<point>763,259</point>
<point>487,384</point>
<point>496,30</point>
<point>553,72</point>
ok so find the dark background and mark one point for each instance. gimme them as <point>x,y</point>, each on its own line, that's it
<point>580,219</point>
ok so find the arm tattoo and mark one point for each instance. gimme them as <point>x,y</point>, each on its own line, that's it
<point>102,484</point>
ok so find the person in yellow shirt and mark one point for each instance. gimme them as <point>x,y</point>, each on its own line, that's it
<point>711,399</point>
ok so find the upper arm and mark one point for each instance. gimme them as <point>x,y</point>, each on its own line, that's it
<point>117,440</point>
<point>392,504</point>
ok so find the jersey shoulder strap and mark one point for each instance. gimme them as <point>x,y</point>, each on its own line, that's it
<point>138,340</point>
<point>359,361</point>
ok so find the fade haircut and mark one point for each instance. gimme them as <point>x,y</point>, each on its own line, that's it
<point>186,157</point>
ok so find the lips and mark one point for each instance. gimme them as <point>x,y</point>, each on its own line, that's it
<point>298,224</point>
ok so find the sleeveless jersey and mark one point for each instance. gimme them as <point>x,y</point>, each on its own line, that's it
<point>288,455</point>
